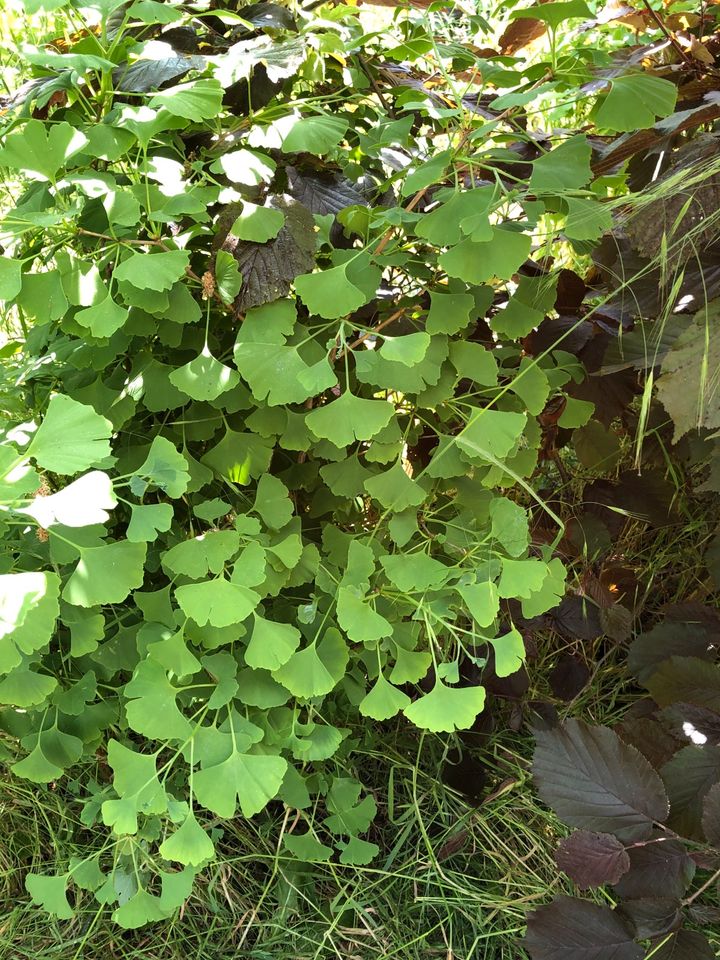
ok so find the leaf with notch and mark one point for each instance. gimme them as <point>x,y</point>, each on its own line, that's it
<point>446,709</point>
<point>349,418</point>
<point>71,438</point>
<point>204,378</point>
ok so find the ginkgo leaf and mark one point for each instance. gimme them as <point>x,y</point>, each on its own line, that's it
<point>509,653</point>
<point>358,618</point>
<point>414,571</point>
<point>40,150</point>
<point>103,319</point>
<point>250,779</point>
<point>152,708</point>
<point>383,701</point>
<point>349,418</point>
<point>315,670</point>
<point>204,378</point>
<point>330,293</point>
<point>106,574</point>
<point>216,602</point>
<point>164,467</point>
<point>394,489</point>
<point>157,271</point>
<point>446,709</point>
<point>147,520</point>
<point>197,100</point>
<point>271,644</point>
<point>189,844</point>
<point>317,134</point>
<point>228,279</point>
<point>482,601</point>
<point>258,224</point>
<point>71,438</point>
<point>272,502</point>
<point>206,553</point>
<point>51,894</point>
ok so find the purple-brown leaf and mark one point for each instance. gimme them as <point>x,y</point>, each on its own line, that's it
<point>592,859</point>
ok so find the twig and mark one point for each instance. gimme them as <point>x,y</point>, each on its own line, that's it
<point>673,40</point>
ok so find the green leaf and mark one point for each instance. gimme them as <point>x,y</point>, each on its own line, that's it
<point>258,224</point>
<point>272,502</point>
<point>330,293</point>
<point>136,784</point>
<point>147,520</point>
<point>317,669</point>
<point>521,578</point>
<point>272,644</point>
<point>509,653</point>
<point>576,413</point>
<point>491,434</point>
<point>250,779</point>
<point>28,611</point>
<point>189,845</point>
<point>106,574</point>
<point>587,219</point>
<point>446,709</point>
<point>449,312</point>
<point>10,278</point>
<point>172,653</point>
<point>565,167</point>
<point>553,14</point>
<point>409,349</point>
<point>155,271</point>
<point>477,262</point>
<point>316,135</point>
<point>152,709</point>
<point>414,571</point>
<point>103,319</point>
<point>482,601</point>
<point>51,894</point>
<point>349,418</point>
<point>383,701</point>
<point>228,278</point>
<point>509,525</point>
<point>358,618</point>
<point>40,151</point>
<point>71,438</point>
<point>204,378</point>
<point>206,553</point>
<point>165,468</point>
<point>216,602</point>
<point>25,688</point>
<point>394,489</point>
<point>307,848</point>
<point>196,101</point>
<point>246,167</point>
<point>634,102</point>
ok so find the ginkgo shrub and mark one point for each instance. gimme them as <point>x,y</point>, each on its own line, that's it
<point>274,479</point>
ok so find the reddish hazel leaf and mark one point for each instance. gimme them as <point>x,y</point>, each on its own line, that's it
<point>592,859</point>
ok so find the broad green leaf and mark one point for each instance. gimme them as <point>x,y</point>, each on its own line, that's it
<point>71,438</point>
<point>482,601</point>
<point>53,752</point>
<point>272,644</point>
<point>196,101</point>
<point>555,13</point>
<point>152,709</point>
<point>465,213</point>
<point>216,602</point>
<point>349,418</point>
<point>358,619</point>
<point>565,167</point>
<point>83,502</point>
<point>155,271</point>
<point>228,278</point>
<point>491,434</point>
<point>474,362</point>
<point>165,468</point>
<point>39,151</point>
<point>204,378</point>
<point>147,520</point>
<point>509,653</point>
<point>42,296</point>
<point>106,574</point>
<point>446,709</point>
<point>521,578</point>
<point>136,784</point>
<point>278,374</point>
<point>28,611</point>
<point>409,349</point>
<point>532,386</point>
<point>449,312</point>
<point>316,135</point>
<point>250,779</point>
<point>634,102</point>
<point>576,413</point>
<point>394,489</point>
<point>51,894</point>
<point>587,219</point>
<point>206,553</point>
<point>173,654</point>
<point>189,844</point>
<point>383,701</point>
<point>477,262</point>
<point>509,525</point>
<point>10,278</point>
<point>25,688</point>
<point>330,293</point>
<point>103,319</point>
<point>257,224</point>
<point>272,502</point>
<point>315,670</point>
<point>411,666</point>
<point>414,571</point>
<point>240,456</point>
<point>307,848</point>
